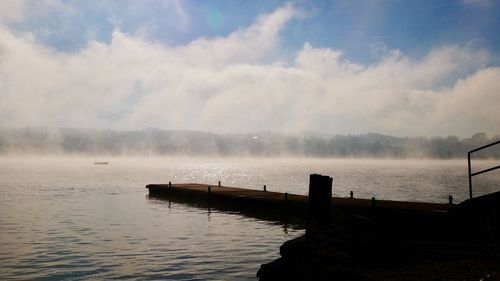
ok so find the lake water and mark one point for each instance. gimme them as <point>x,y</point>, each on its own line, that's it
<point>68,219</point>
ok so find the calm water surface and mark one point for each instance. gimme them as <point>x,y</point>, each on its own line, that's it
<point>68,219</point>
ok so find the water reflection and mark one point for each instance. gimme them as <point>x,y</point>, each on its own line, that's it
<point>284,218</point>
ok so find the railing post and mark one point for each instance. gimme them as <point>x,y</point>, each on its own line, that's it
<point>479,172</point>
<point>470,175</point>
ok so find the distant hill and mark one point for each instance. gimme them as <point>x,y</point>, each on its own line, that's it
<point>153,141</point>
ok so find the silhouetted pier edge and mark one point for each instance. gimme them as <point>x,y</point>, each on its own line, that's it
<point>290,205</point>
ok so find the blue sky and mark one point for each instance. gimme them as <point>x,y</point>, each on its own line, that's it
<point>403,68</point>
<point>360,28</point>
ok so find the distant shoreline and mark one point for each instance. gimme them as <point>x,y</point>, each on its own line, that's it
<point>154,142</point>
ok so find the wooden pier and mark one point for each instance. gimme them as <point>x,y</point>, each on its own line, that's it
<point>242,198</point>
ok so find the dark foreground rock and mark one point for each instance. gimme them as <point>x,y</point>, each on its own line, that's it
<point>462,244</point>
<point>336,256</point>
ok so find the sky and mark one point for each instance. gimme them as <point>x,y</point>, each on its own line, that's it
<point>402,68</point>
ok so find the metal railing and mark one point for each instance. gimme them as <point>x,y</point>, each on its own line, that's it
<point>479,172</point>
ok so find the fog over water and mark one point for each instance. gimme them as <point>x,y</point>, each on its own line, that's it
<point>404,179</point>
<point>156,142</point>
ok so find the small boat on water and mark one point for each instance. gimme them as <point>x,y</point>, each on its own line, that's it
<point>101,162</point>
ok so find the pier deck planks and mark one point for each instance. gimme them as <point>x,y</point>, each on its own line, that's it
<point>278,197</point>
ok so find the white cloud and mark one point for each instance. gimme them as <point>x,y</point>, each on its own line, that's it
<point>11,10</point>
<point>248,45</point>
<point>233,84</point>
<point>17,10</point>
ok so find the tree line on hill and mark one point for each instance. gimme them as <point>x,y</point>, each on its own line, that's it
<point>193,143</point>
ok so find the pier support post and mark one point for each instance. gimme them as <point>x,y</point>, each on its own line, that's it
<point>320,199</point>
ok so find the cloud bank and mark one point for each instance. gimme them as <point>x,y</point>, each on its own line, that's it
<point>240,83</point>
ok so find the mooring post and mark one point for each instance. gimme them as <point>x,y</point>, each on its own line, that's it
<point>219,183</point>
<point>209,190</point>
<point>169,184</point>
<point>352,194</point>
<point>286,196</point>
<point>265,189</point>
<point>320,199</point>
<point>373,201</point>
<point>320,203</point>
<point>450,199</point>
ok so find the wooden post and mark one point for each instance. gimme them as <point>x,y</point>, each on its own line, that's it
<point>219,183</point>
<point>265,189</point>
<point>352,194</point>
<point>286,196</point>
<point>169,184</point>
<point>450,199</point>
<point>373,201</point>
<point>320,199</point>
<point>209,190</point>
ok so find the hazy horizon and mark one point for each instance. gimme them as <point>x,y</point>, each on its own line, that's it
<point>317,133</point>
<point>155,142</point>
